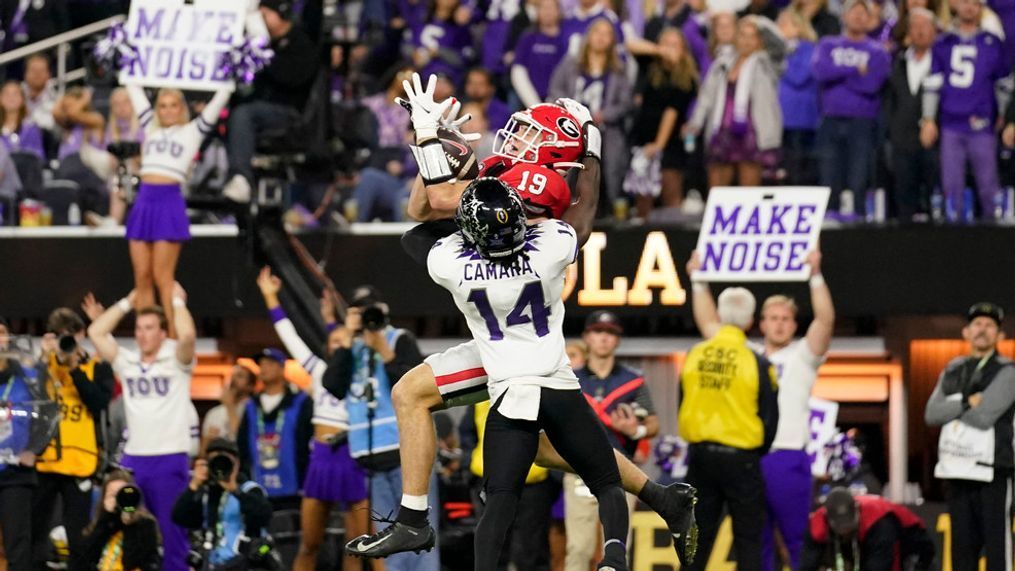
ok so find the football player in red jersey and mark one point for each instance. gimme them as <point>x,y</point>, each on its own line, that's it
<point>529,151</point>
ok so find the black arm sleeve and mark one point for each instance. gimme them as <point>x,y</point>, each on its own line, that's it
<point>418,241</point>
<point>243,444</point>
<point>768,400</point>
<point>95,393</point>
<point>256,510</point>
<point>304,433</point>
<point>188,511</point>
<point>338,376</point>
<point>407,356</point>
<point>877,552</point>
<point>916,542</point>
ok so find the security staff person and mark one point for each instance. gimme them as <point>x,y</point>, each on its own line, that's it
<point>622,402</point>
<point>82,386</point>
<point>973,402</point>
<point>728,413</point>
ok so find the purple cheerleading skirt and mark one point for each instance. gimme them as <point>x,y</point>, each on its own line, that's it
<point>159,213</point>
<point>333,476</point>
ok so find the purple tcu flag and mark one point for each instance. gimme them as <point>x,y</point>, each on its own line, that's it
<point>760,234</point>
<point>183,45</point>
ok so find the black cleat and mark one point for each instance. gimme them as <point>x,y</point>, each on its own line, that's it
<point>677,510</point>
<point>397,538</point>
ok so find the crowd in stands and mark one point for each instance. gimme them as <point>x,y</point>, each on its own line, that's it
<point>857,96</point>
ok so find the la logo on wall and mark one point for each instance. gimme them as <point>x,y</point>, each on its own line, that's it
<point>656,271</point>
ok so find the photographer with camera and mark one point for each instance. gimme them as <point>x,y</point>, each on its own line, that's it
<point>123,535</point>
<point>372,355</point>
<point>82,386</point>
<point>17,455</point>
<point>274,435</point>
<point>231,510</point>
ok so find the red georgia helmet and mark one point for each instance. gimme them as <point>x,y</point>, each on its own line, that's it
<point>544,134</point>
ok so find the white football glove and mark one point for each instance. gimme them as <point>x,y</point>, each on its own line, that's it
<point>592,139</point>
<point>452,122</point>
<point>424,112</point>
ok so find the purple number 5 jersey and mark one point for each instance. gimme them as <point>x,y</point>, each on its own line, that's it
<point>964,71</point>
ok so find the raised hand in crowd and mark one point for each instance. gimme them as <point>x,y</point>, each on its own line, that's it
<point>91,306</point>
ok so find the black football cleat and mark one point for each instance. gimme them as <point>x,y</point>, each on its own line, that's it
<point>397,538</point>
<point>677,510</point>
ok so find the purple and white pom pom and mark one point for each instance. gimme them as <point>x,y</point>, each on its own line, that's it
<point>243,62</point>
<point>115,50</point>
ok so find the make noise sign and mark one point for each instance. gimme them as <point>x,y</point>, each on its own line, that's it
<point>760,233</point>
<point>182,45</point>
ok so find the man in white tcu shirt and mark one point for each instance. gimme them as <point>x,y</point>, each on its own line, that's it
<point>156,393</point>
<point>787,467</point>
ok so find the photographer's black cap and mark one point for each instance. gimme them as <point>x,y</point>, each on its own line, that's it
<point>603,320</point>
<point>223,445</point>
<point>365,295</point>
<point>284,8</point>
<point>841,511</point>
<point>986,309</point>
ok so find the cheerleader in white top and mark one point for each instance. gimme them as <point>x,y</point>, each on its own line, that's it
<point>333,477</point>
<point>157,225</point>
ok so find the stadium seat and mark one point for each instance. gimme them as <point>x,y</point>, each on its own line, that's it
<point>29,166</point>
<point>59,194</point>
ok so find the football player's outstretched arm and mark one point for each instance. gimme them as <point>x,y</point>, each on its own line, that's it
<point>434,201</point>
<point>582,212</point>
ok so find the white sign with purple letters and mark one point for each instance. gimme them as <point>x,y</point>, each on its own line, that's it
<point>824,413</point>
<point>757,234</point>
<point>182,45</point>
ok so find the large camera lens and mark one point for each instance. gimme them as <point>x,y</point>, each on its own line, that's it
<point>374,318</point>
<point>128,499</point>
<point>221,468</point>
<point>68,344</point>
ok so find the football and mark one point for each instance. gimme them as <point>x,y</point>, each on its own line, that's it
<point>461,158</point>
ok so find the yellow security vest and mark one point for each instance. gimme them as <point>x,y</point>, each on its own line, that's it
<point>719,392</point>
<point>535,475</point>
<point>75,449</point>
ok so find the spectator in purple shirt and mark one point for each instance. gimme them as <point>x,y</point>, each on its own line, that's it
<point>577,22</point>
<point>537,53</point>
<point>443,44</point>
<point>393,125</point>
<point>798,98</point>
<point>597,80</point>
<point>17,133</point>
<point>959,95</point>
<point>479,88</point>
<point>680,14</point>
<point>850,70</point>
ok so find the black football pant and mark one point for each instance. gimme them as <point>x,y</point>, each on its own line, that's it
<point>731,478</point>
<point>76,510</point>
<point>981,522</point>
<point>15,522</point>
<point>509,447</point>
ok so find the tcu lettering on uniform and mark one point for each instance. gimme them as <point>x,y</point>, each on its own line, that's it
<point>849,57</point>
<point>163,146</point>
<point>143,386</point>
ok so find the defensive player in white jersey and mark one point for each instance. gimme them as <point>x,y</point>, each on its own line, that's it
<point>506,277</point>
<point>160,415</point>
<point>533,143</point>
<point>157,225</point>
<point>333,477</point>
<point>787,467</point>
